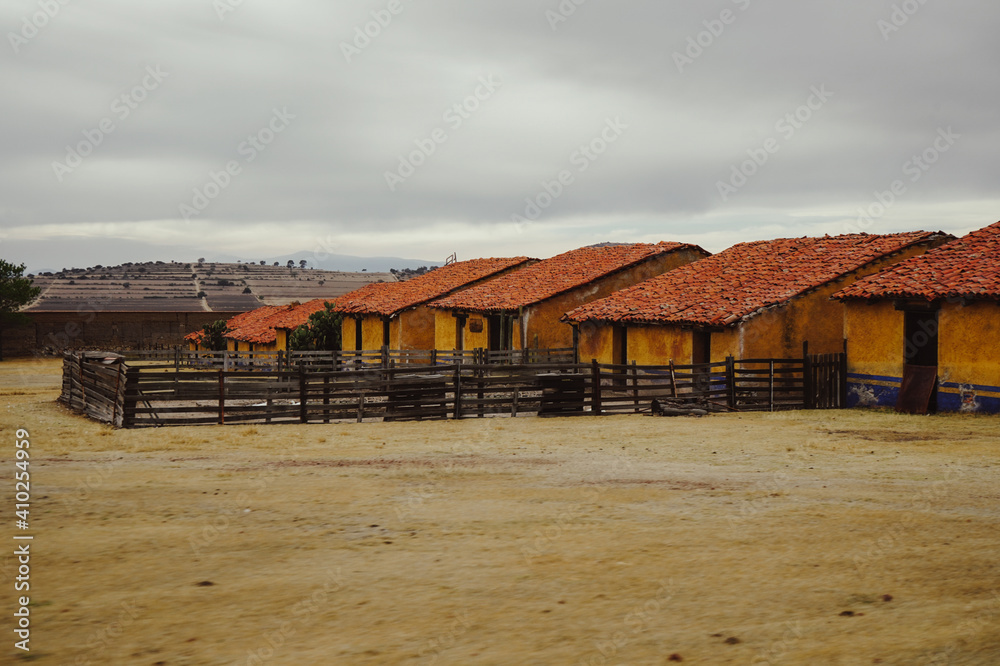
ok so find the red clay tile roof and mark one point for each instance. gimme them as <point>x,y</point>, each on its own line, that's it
<point>234,322</point>
<point>555,276</point>
<point>968,267</point>
<point>390,298</point>
<point>299,315</point>
<point>255,326</point>
<point>736,283</point>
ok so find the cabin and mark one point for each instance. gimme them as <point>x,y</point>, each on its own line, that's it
<point>195,338</point>
<point>762,299</point>
<point>255,331</point>
<point>937,317</point>
<point>522,310</point>
<point>396,314</point>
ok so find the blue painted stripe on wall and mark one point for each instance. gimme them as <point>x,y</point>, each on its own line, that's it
<point>876,378</point>
<point>977,387</point>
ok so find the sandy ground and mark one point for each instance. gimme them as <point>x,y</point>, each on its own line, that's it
<point>846,537</point>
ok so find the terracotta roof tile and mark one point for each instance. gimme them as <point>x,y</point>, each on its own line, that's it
<point>726,287</point>
<point>555,276</point>
<point>389,298</point>
<point>299,315</point>
<point>967,267</point>
<point>255,326</point>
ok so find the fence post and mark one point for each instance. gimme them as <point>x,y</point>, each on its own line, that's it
<point>385,357</point>
<point>281,358</point>
<point>177,359</point>
<point>326,398</point>
<point>731,382</point>
<point>635,386</point>
<point>673,380</point>
<point>303,415</point>
<point>434,357</point>
<point>458,391</point>
<point>596,379</point>
<point>770,379</point>
<point>809,393</point>
<point>842,388</point>
<point>131,387</point>
<point>222,397</point>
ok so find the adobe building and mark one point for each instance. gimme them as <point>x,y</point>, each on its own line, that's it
<point>939,311</point>
<point>755,300</point>
<point>523,309</point>
<point>396,314</point>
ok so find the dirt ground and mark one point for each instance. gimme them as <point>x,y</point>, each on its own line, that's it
<point>842,537</point>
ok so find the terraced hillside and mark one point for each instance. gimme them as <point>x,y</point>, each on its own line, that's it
<point>188,287</point>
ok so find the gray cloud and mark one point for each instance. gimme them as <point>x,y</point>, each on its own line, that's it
<point>325,172</point>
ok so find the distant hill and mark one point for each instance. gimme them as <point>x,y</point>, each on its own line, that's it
<point>53,254</point>
<point>193,286</point>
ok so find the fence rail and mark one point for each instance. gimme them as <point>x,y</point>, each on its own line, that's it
<point>270,361</point>
<point>317,388</point>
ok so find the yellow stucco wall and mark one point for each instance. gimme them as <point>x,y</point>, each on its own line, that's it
<point>596,342</point>
<point>874,338</point>
<point>969,343</point>
<point>658,345</point>
<point>414,329</point>
<point>444,330</point>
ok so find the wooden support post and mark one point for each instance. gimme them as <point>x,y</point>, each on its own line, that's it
<point>222,397</point>
<point>595,371</point>
<point>513,404</point>
<point>177,359</point>
<point>361,406</point>
<point>385,356</point>
<point>673,380</point>
<point>281,358</point>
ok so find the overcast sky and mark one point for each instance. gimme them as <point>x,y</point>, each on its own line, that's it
<point>450,124</point>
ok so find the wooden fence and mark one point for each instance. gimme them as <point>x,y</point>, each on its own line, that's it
<point>161,395</point>
<point>269,361</point>
<point>94,383</point>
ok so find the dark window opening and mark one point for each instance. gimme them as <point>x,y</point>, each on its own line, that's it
<point>701,347</point>
<point>359,338</point>
<point>385,332</point>
<point>619,344</point>
<point>460,333</point>
<point>500,332</point>
<point>920,332</point>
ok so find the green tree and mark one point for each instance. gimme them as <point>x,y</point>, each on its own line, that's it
<point>16,291</point>
<point>301,339</point>
<point>215,335</point>
<point>321,332</point>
